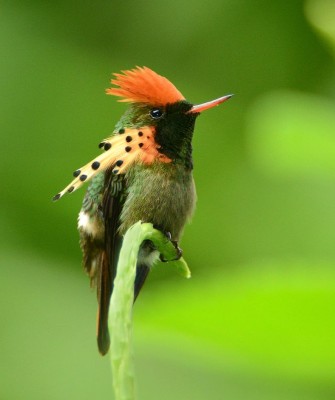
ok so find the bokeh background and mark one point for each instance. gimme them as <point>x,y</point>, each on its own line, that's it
<point>256,321</point>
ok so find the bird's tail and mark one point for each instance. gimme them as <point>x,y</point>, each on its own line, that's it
<point>142,271</point>
<point>104,294</point>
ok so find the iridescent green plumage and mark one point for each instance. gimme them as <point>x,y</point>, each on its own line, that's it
<point>160,193</point>
<point>145,174</point>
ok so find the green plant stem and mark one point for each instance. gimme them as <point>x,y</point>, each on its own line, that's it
<point>120,310</point>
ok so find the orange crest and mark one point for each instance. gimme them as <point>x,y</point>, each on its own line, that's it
<point>142,85</point>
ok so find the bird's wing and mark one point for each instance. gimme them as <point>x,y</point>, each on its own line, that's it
<point>112,203</point>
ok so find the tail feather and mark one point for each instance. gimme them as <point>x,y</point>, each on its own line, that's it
<point>104,293</point>
<point>142,272</point>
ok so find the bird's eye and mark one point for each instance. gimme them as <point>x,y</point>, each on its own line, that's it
<point>156,113</point>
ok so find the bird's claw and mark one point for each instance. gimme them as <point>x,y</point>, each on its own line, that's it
<point>165,233</point>
<point>179,252</point>
<point>168,235</point>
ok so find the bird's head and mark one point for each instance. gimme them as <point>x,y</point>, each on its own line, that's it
<point>156,102</point>
<point>157,126</point>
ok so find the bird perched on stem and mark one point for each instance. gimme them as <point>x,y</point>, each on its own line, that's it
<point>144,173</point>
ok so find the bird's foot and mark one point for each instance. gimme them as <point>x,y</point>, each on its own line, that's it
<point>165,233</point>
<point>179,252</point>
<point>168,235</point>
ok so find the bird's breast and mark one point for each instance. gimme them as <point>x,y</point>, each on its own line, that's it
<point>163,194</point>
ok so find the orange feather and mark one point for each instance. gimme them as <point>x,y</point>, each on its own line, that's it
<point>122,151</point>
<point>142,85</point>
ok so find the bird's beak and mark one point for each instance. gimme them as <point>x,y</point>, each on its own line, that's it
<point>204,106</point>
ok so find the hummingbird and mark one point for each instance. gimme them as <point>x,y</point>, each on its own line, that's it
<point>143,174</point>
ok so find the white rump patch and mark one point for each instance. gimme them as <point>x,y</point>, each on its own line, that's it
<point>90,225</point>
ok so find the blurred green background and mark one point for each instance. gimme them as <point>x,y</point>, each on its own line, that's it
<point>256,321</point>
